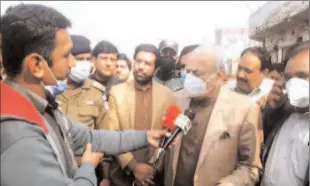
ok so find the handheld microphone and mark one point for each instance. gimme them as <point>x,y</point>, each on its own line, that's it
<point>173,111</point>
<point>182,124</point>
<point>176,122</point>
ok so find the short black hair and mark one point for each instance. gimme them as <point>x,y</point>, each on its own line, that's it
<point>124,57</point>
<point>29,28</point>
<point>104,47</point>
<point>262,55</point>
<point>279,67</point>
<point>148,48</point>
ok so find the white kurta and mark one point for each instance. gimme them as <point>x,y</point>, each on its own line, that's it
<point>289,155</point>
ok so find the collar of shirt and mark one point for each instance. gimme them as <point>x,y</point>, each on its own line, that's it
<point>93,76</point>
<point>87,84</point>
<point>40,103</point>
<point>143,88</point>
<point>264,88</point>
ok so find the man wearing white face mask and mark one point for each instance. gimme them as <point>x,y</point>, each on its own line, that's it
<point>286,125</point>
<point>81,51</point>
<point>39,142</point>
<point>223,146</point>
<point>84,99</point>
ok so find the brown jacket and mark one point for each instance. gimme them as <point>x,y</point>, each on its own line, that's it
<point>231,147</point>
<point>122,109</point>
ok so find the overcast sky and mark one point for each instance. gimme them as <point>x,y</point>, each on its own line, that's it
<point>129,23</point>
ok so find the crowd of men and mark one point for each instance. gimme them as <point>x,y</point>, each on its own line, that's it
<point>76,115</point>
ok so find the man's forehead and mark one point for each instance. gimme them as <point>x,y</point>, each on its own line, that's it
<point>62,35</point>
<point>146,55</point>
<point>107,55</point>
<point>202,60</point>
<point>121,62</point>
<point>63,39</point>
<point>300,62</point>
<point>250,61</point>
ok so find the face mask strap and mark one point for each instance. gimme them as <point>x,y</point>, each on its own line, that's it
<point>212,76</point>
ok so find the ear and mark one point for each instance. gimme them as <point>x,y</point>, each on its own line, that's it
<point>34,63</point>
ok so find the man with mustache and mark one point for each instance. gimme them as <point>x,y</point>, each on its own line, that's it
<point>138,104</point>
<point>286,124</point>
<point>223,145</point>
<point>251,75</point>
<point>124,66</point>
<point>38,141</point>
<point>104,57</point>
<point>84,100</point>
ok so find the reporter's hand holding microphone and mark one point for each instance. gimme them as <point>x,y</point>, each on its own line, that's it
<point>153,137</point>
<point>144,172</point>
<point>173,121</point>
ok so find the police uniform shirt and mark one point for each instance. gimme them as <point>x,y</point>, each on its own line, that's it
<point>86,104</point>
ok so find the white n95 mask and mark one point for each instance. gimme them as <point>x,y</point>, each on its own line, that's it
<point>81,71</point>
<point>298,92</point>
<point>195,86</point>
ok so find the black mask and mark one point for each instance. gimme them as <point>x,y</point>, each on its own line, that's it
<point>166,67</point>
<point>166,63</point>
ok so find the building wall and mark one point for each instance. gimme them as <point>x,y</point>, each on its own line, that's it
<point>284,41</point>
<point>280,25</point>
<point>274,13</point>
<point>258,18</point>
<point>233,41</point>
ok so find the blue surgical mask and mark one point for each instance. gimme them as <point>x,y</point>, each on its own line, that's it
<point>183,76</point>
<point>195,86</point>
<point>57,89</point>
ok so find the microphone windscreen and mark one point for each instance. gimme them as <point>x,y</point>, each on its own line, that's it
<point>173,111</point>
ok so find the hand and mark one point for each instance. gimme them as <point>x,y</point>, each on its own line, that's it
<point>276,93</point>
<point>177,140</point>
<point>105,182</point>
<point>153,137</point>
<point>144,173</point>
<point>262,102</point>
<point>89,156</point>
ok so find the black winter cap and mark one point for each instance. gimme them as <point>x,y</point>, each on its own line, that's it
<point>80,45</point>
